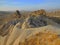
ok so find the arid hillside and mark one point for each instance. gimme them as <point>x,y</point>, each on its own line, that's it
<point>30,28</point>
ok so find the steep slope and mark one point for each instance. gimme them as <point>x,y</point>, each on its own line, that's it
<point>18,35</point>
<point>34,30</point>
<point>30,32</point>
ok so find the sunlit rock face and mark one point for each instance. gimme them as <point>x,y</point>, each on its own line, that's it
<point>39,12</point>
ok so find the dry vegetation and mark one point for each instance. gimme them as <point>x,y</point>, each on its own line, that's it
<point>54,13</point>
<point>47,38</point>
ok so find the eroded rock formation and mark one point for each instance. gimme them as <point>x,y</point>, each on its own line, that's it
<point>39,12</point>
<point>18,13</point>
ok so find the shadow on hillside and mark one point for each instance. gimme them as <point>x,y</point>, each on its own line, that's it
<point>55,19</point>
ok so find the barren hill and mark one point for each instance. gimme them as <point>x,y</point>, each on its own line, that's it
<point>35,28</point>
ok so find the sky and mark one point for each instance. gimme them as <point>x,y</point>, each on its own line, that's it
<point>11,5</point>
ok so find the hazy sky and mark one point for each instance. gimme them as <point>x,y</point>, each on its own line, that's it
<point>28,4</point>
